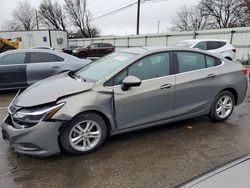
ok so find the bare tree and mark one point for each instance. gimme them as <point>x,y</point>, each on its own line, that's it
<point>10,25</point>
<point>224,13</point>
<point>80,16</point>
<point>190,19</point>
<point>52,15</point>
<point>90,29</point>
<point>25,16</point>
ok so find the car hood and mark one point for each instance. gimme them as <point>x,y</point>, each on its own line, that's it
<point>50,89</point>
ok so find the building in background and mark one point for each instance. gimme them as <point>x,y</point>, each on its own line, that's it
<point>44,38</point>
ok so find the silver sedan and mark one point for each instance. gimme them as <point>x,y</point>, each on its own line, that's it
<point>21,68</point>
<point>127,90</point>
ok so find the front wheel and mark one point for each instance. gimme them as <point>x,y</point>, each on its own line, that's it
<point>84,134</point>
<point>223,106</point>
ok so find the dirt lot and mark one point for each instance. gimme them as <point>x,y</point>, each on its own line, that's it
<point>163,156</point>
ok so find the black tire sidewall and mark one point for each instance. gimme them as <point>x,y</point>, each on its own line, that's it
<point>83,55</point>
<point>64,136</point>
<point>213,113</point>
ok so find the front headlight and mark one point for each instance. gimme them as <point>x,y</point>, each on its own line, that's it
<point>33,116</point>
<point>74,51</point>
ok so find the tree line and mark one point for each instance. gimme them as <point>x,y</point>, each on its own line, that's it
<point>52,15</point>
<point>213,14</point>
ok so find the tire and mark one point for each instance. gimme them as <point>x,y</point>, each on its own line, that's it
<point>77,140</point>
<point>82,55</point>
<point>222,108</point>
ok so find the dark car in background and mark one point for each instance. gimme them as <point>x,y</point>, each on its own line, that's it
<point>94,50</point>
<point>69,49</point>
<point>21,68</point>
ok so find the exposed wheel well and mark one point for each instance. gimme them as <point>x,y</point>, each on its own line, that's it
<point>229,58</point>
<point>234,92</point>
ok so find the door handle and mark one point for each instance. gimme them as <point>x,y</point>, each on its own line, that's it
<point>166,86</point>
<point>211,76</point>
<point>56,67</point>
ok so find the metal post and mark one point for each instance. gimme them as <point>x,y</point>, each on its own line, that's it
<point>158,30</point>
<point>138,17</point>
<point>231,37</point>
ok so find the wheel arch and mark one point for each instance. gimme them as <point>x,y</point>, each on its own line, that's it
<point>233,91</point>
<point>101,114</point>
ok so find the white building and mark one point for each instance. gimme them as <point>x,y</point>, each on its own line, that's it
<point>45,38</point>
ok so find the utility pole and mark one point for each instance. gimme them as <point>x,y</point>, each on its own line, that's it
<point>158,30</point>
<point>37,24</point>
<point>138,17</point>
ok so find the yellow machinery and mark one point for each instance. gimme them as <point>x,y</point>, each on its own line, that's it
<point>9,44</point>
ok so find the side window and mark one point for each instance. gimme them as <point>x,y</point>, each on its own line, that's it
<point>211,62</point>
<point>201,45</point>
<point>153,66</point>
<point>212,45</point>
<point>59,58</point>
<point>119,78</point>
<point>11,59</point>
<point>42,57</point>
<point>94,46</point>
<point>189,61</point>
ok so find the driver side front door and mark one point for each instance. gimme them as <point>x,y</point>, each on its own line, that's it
<point>153,100</point>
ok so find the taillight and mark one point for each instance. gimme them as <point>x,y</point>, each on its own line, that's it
<point>234,50</point>
<point>244,70</point>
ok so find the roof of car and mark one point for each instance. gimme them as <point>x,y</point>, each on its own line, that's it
<point>201,40</point>
<point>56,52</point>
<point>151,49</point>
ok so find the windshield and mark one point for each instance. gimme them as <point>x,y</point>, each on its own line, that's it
<point>104,66</point>
<point>187,44</point>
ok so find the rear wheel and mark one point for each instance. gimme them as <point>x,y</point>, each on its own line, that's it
<point>85,133</point>
<point>83,55</point>
<point>223,106</point>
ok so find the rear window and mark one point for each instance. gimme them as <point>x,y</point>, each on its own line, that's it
<point>212,45</point>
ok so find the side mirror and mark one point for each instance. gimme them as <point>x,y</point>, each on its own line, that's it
<point>130,81</point>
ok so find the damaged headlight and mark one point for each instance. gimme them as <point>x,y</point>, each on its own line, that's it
<point>35,115</point>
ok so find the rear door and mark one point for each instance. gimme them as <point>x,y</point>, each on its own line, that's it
<point>95,50</point>
<point>42,65</point>
<point>153,100</point>
<point>13,70</point>
<point>195,83</point>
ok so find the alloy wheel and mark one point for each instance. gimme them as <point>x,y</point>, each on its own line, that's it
<point>224,107</point>
<point>85,135</point>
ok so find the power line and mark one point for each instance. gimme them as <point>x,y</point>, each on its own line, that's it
<point>125,7</point>
<point>98,10</point>
<point>115,11</point>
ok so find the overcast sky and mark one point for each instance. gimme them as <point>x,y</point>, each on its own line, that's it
<point>123,22</point>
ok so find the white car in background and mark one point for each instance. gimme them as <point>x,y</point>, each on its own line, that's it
<point>222,47</point>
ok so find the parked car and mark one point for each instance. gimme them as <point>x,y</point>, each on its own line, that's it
<point>69,49</point>
<point>136,88</point>
<point>43,48</point>
<point>222,47</point>
<point>232,175</point>
<point>21,68</point>
<point>94,50</point>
